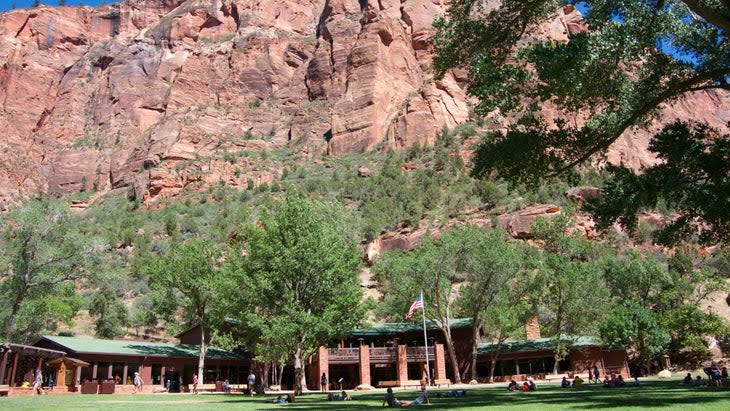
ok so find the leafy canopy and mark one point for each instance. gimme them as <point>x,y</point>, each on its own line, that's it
<point>635,56</point>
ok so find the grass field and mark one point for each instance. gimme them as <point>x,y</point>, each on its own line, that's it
<point>653,394</point>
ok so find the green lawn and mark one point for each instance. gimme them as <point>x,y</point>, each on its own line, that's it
<point>665,395</point>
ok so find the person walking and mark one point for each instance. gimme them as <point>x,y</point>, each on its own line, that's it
<point>251,383</point>
<point>323,382</point>
<point>38,383</point>
<point>596,373</point>
<point>137,382</point>
<point>195,383</point>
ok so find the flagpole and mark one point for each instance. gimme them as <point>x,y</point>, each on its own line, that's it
<point>425,341</point>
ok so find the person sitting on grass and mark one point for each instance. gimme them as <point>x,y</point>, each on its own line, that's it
<point>533,386</point>
<point>565,383</point>
<point>525,386</point>
<point>512,386</point>
<point>699,382</point>
<point>452,394</point>
<point>577,382</point>
<point>606,382</point>
<point>620,381</point>
<point>637,383</point>
<point>687,382</point>
<point>278,400</point>
<point>342,397</point>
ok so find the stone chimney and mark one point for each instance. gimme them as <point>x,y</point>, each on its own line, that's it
<point>532,328</point>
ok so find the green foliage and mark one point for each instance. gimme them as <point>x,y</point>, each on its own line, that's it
<point>631,325</point>
<point>301,281</point>
<point>187,279</point>
<point>694,178</point>
<point>43,253</point>
<point>569,286</point>
<point>620,73</point>
<point>111,312</point>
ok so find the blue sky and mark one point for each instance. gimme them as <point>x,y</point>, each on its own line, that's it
<point>7,4</point>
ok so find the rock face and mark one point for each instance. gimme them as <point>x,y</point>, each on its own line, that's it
<point>518,224</point>
<point>157,96</point>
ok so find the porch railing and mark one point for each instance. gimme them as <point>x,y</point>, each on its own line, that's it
<point>414,354</point>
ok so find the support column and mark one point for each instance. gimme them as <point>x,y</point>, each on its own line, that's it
<point>439,363</point>
<point>401,363</point>
<point>364,364</point>
<point>162,376</point>
<point>110,369</point>
<point>77,381</point>
<point>38,364</point>
<point>3,366</point>
<point>323,366</point>
<point>125,371</point>
<point>94,371</point>
<point>14,368</point>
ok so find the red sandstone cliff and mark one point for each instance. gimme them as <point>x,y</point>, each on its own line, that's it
<point>153,95</point>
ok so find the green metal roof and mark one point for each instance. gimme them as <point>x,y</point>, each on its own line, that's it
<point>538,344</point>
<point>397,328</point>
<point>141,348</point>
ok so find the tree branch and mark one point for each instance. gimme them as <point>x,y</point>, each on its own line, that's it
<point>680,88</point>
<point>710,15</point>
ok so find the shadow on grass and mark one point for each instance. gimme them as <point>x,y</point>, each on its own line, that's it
<point>654,394</point>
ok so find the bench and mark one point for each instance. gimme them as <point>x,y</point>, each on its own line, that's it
<point>410,383</point>
<point>203,387</point>
<point>443,381</point>
<point>4,390</point>
<point>388,384</point>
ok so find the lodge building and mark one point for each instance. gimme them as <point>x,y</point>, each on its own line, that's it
<point>387,353</point>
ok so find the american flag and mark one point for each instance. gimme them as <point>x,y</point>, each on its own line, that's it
<point>417,305</point>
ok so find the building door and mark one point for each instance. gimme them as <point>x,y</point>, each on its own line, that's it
<point>172,381</point>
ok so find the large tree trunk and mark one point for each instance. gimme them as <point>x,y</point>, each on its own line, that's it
<point>300,379</point>
<point>475,328</point>
<point>201,352</point>
<point>495,357</point>
<point>452,352</point>
<point>265,378</point>
<point>281,374</point>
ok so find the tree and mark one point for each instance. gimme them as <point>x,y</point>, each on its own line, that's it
<point>44,255</point>
<point>36,3</point>
<point>635,56</point>
<point>112,314</point>
<point>630,325</point>
<point>664,298</point>
<point>300,266</point>
<point>434,268</point>
<point>495,269</point>
<point>187,278</point>
<point>569,283</point>
<point>693,178</point>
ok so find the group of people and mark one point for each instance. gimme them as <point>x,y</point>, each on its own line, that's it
<point>716,377</point>
<point>528,385</point>
<point>576,383</point>
<point>343,396</point>
<point>616,380</point>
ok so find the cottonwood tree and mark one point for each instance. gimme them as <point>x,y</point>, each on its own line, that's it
<point>43,255</point>
<point>635,56</point>
<point>187,279</point>
<point>495,269</point>
<point>112,314</point>
<point>663,297</point>
<point>436,267</point>
<point>299,268</point>
<point>569,282</point>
